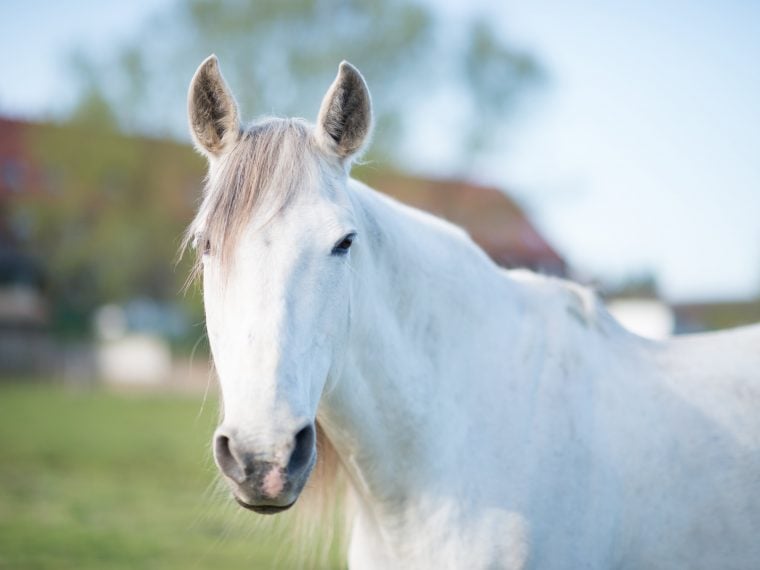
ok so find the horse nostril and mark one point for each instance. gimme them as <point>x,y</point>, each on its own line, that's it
<point>302,450</point>
<point>226,460</point>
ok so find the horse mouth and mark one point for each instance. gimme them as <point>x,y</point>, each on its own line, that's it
<point>263,509</point>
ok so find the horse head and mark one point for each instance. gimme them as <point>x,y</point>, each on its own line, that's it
<point>275,236</point>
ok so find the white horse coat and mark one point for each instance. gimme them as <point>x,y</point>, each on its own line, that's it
<point>486,418</point>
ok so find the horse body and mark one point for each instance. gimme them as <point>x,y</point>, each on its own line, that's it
<point>508,421</point>
<point>486,418</point>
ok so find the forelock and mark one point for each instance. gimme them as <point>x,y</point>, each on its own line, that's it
<point>260,175</point>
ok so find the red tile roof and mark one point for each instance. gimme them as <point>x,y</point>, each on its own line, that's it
<point>491,217</point>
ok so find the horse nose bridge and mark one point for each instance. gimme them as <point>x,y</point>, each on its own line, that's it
<point>258,397</point>
<point>247,340</point>
<point>263,406</point>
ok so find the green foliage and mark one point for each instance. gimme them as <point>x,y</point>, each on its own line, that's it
<point>101,481</point>
<point>108,217</point>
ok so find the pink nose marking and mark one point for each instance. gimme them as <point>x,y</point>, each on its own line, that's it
<point>273,483</point>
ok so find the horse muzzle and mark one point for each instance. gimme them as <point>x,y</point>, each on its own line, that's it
<point>264,484</point>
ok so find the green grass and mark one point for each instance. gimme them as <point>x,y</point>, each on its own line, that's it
<point>96,480</point>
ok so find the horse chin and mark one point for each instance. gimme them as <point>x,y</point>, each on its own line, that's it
<point>263,509</point>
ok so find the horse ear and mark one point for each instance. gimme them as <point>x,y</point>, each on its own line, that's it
<point>345,117</point>
<point>212,110</point>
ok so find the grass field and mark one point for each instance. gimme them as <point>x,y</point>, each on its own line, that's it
<point>96,480</point>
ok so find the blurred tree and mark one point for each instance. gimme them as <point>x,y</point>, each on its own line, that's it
<point>115,205</point>
<point>280,56</point>
<point>107,215</point>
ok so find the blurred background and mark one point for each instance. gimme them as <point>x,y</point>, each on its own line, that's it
<point>615,144</point>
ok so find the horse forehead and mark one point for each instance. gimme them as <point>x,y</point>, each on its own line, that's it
<point>291,238</point>
<point>310,216</point>
<point>277,242</point>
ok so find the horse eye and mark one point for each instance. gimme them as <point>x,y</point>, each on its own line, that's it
<point>203,244</point>
<point>344,245</point>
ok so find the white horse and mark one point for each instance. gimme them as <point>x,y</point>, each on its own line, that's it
<point>485,418</point>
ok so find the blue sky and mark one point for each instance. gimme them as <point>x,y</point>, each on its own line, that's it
<point>641,153</point>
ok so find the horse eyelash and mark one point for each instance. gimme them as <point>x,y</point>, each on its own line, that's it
<point>338,248</point>
<point>201,243</point>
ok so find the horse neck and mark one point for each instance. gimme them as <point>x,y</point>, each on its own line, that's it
<point>454,369</point>
<point>425,298</point>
